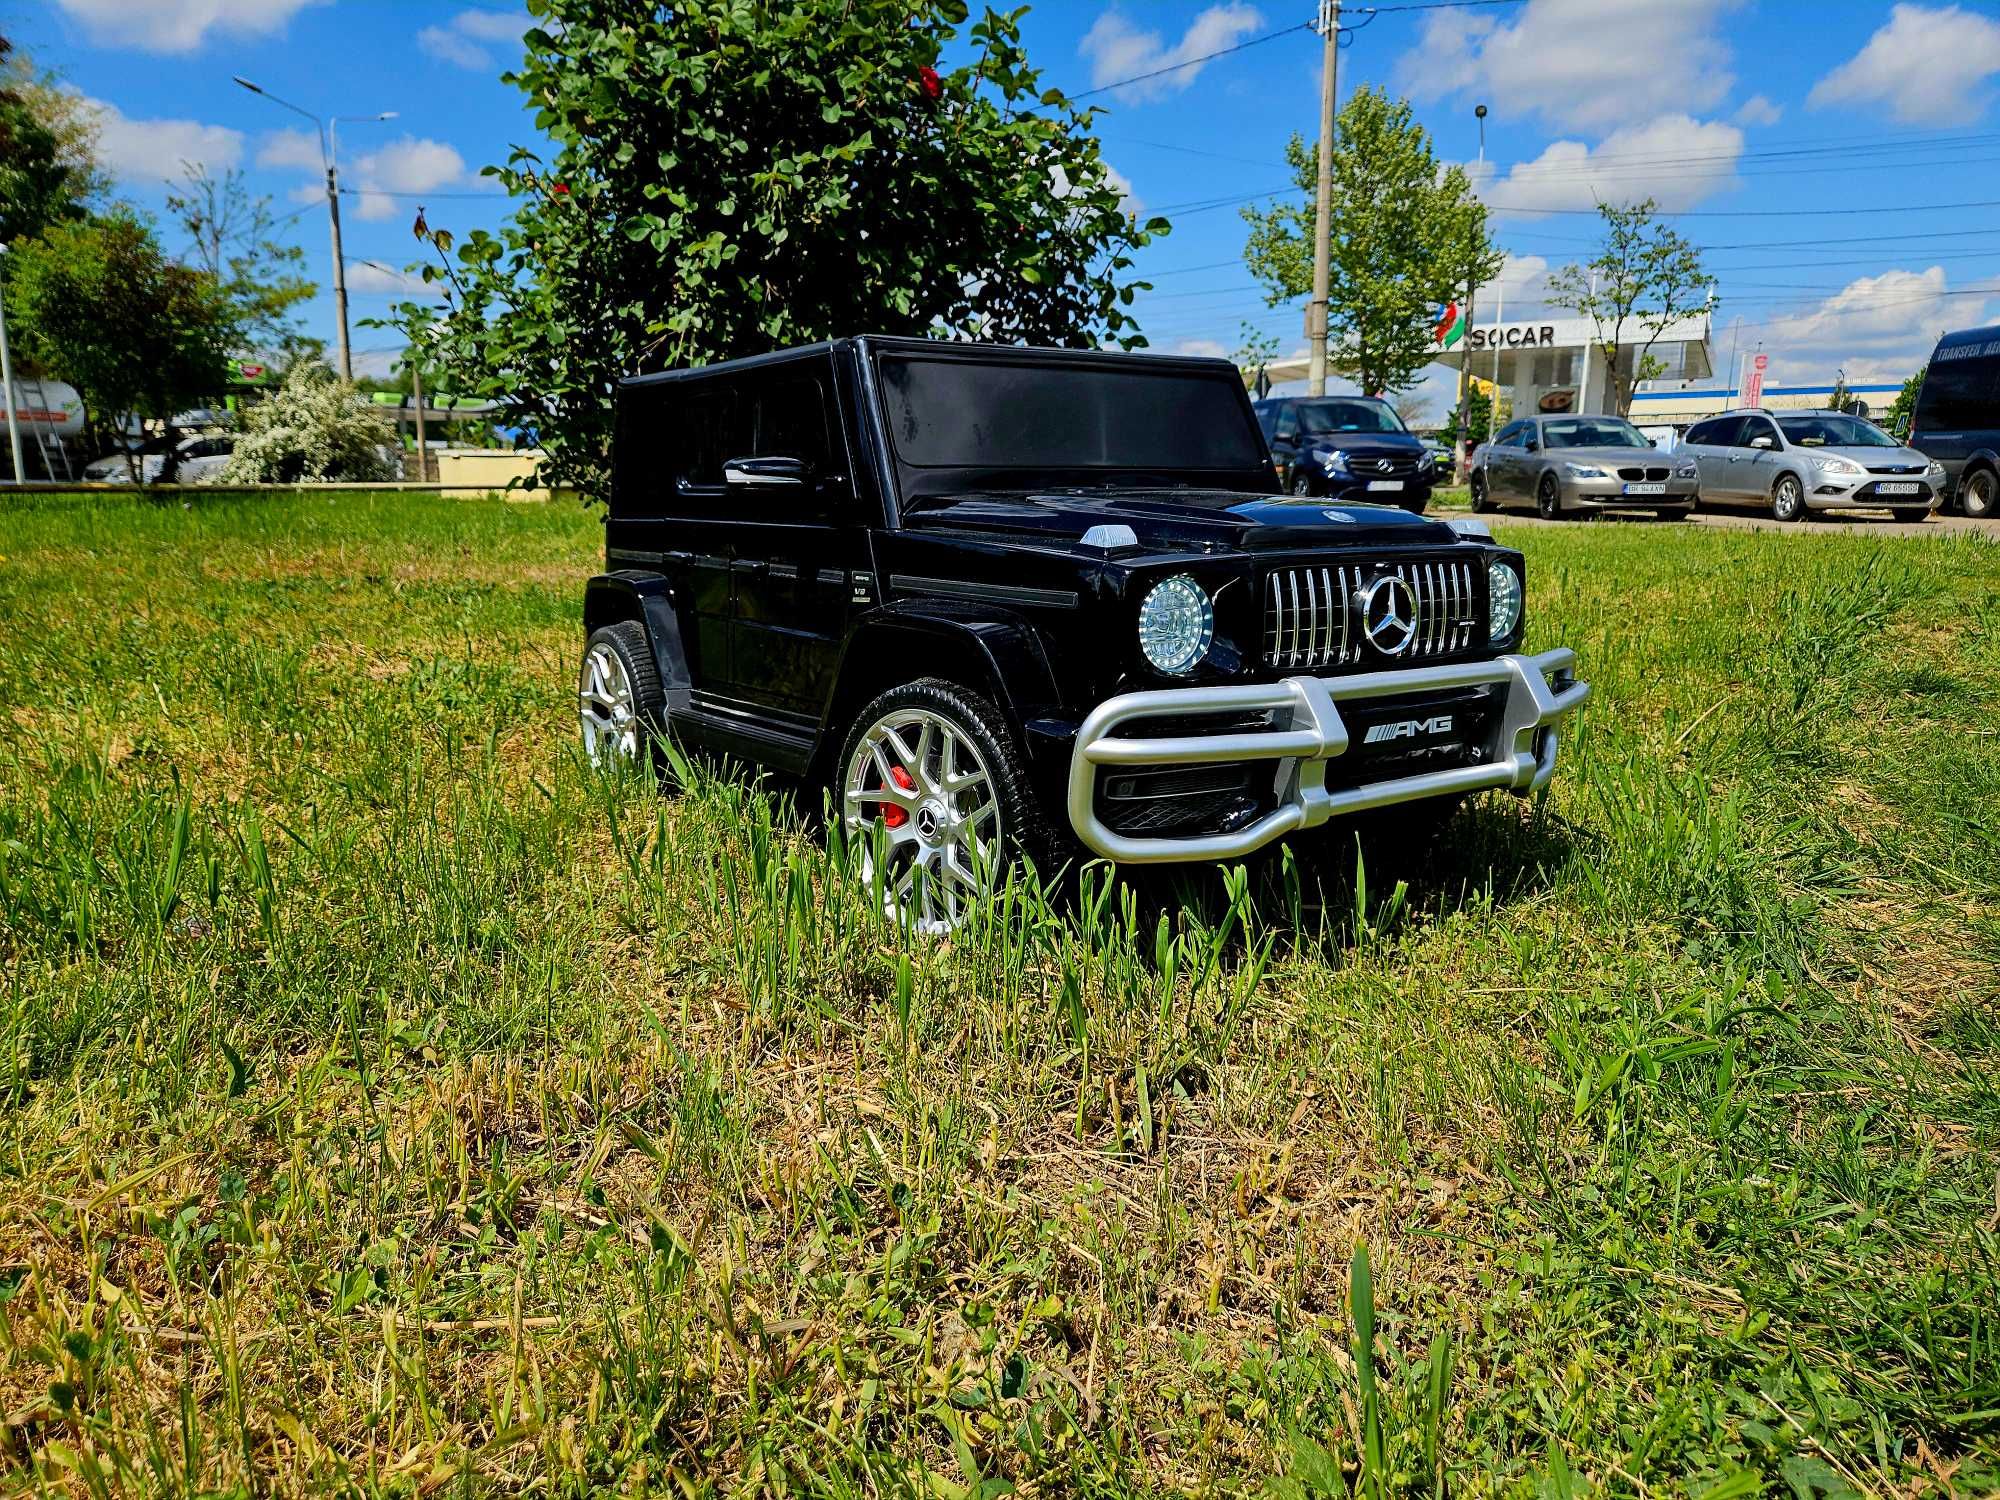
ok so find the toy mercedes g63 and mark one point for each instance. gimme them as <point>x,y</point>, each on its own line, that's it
<point>1013,601</point>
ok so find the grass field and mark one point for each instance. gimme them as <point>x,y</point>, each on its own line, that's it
<point>388,1104</point>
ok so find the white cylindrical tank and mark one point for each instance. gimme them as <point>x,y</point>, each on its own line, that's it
<point>48,407</point>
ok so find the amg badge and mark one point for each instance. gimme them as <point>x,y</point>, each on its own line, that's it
<point>1406,729</point>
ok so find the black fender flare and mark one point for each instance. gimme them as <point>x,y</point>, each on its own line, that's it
<point>633,594</point>
<point>1978,458</point>
<point>1006,649</point>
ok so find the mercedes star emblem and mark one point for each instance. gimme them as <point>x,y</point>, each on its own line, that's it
<point>1389,615</point>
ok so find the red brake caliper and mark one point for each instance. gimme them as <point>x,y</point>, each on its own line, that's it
<point>892,815</point>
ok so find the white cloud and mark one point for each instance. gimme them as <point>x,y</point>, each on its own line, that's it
<point>467,40</point>
<point>1203,348</point>
<point>1581,64</point>
<point>1118,49</point>
<point>367,278</point>
<point>410,165</point>
<point>1757,110</point>
<point>180,25</point>
<point>290,148</point>
<point>1128,200</point>
<point>151,151</point>
<point>1877,328</point>
<point>1927,65</point>
<point>1675,159</point>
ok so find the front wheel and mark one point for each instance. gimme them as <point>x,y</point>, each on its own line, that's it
<point>1912,515</point>
<point>1788,498</point>
<point>1979,494</point>
<point>1548,499</point>
<point>935,795</point>
<point>1301,482</point>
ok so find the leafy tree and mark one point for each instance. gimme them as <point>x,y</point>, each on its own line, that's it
<point>1645,278</point>
<point>96,304</point>
<point>1478,418</point>
<point>1407,235</point>
<point>48,173</point>
<point>315,426</point>
<point>735,176</point>
<point>259,277</point>
<point>1903,410</point>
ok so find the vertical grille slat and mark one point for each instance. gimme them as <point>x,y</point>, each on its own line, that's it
<point>1310,615</point>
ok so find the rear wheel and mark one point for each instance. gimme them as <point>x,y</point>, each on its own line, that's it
<point>620,704</point>
<point>1788,498</point>
<point>1477,484</point>
<point>935,794</point>
<point>1548,499</point>
<point>1979,493</point>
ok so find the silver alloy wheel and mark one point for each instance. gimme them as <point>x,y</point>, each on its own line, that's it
<point>918,790</point>
<point>1977,498</point>
<point>1789,499</point>
<point>607,707</point>
<point>1301,482</point>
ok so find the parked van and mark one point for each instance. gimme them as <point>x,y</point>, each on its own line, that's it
<point>1957,420</point>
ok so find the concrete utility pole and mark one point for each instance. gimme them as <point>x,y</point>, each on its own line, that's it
<point>1464,454</point>
<point>7,389</point>
<point>1329,29</point>
<point>417,395</point>
<point>329,153</point>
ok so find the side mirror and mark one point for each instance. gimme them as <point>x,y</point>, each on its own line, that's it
<point>1764,440</point>
<point>767,473</point>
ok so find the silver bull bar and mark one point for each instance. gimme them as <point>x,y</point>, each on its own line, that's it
<point>1539,692</point>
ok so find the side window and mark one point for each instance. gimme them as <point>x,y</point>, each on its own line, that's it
<point>792,423</point>
<point>1960,394</point>
<point>710,425</point>
<point>1530,437</point>
<point>1701,432</point>
<point>1288,423</point>
<point>1757,427</point>
<point>1510,435</point>
<point>1267,420</point>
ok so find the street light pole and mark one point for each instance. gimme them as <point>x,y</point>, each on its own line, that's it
<point>1464,454</point>
<point>1316,318</point>
<point>329,153</point>
<point>7,389</point>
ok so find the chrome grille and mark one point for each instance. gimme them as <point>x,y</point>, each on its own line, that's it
<point>1311,619</point>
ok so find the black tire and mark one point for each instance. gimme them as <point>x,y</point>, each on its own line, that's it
<point>1302,483</point>
<point>1024,827</point>
<point>1788,499</point>
<point>1548,499</point>
<point>1476,485</point>
<point>1979,493</point>
<point>1417,506</point>
<point>626,640</point>
<point>1674,512</point>
<point>1912,515</point>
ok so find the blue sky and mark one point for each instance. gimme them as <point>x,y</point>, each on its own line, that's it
<point>1826,153</point>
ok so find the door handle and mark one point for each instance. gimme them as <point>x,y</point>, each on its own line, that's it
<point>750,569</point>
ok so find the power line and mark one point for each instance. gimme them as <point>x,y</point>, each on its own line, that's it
<point>1193,62</point>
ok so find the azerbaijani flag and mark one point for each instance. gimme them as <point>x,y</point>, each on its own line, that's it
<point>1450,324</point>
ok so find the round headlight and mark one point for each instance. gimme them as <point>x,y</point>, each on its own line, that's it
<point>1503,589</point>
<point>1176,625</point>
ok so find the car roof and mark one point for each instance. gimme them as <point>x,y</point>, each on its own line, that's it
<point>1962,336</point>
<point>908,344</point>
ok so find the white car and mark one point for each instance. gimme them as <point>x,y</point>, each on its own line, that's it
<point>200,460</point>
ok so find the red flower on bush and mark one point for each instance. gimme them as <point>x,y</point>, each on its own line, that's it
<point>561,188</point>
<point>928,80</point>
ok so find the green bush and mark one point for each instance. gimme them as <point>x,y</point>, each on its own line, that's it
<point>315,427</point>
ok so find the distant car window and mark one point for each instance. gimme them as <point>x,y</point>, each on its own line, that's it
<point>1754,428</point>
<point>1510,435</point>
<point>1821,431</point>
<point>1288,422</point>
<point>1267,419</point>
<point>1359,415</point>
<point>1592,432</point>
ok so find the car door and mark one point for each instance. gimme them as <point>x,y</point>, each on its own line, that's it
<point>1525,461</point>
<point>1755,459</point>
<point>798,547</point>
<point>1285,442</point>
<point>1500,458</point>
<point>1712,445</point>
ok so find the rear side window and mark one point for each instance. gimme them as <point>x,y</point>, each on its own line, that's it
<point>1961,389</point>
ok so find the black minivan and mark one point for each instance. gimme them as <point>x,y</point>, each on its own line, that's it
<point>1957,420</point>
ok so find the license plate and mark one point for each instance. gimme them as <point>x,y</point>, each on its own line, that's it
<point>1895,489</point>
<point>1385,484</point>
<point>1645,489</point>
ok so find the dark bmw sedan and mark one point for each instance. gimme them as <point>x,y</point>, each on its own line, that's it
<point>1347,448</point>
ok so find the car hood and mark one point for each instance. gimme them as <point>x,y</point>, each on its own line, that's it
<point>1612,458</point>
<point>1876,458</point>
<point>1362,442</point>
<point>1177,520</point>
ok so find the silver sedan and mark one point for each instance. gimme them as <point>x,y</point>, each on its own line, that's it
<point>1566,466</point>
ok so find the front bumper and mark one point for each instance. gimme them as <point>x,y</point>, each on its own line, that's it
<point>1307,735</point>
<point>1843,493</point>
<point>1610,494</point>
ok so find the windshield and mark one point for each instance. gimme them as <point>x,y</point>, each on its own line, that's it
<point>1009,414</point>
<point>1834,431</point>
<point>1593,432</point>
<point>1348,416</point>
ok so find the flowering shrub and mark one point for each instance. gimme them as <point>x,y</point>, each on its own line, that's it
<point>316,426</point>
